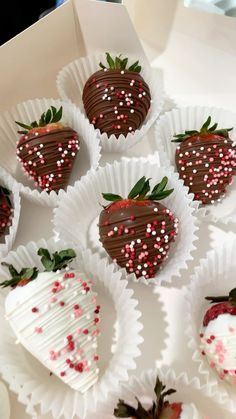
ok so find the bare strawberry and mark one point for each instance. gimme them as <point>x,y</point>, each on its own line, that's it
<point>47,150</point>
<point>137,231</point>
<point>206,161</point>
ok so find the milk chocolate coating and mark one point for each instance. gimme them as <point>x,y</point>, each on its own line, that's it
<point>138,238</point>
<point>48,158</point>
<point>116,103</point>
<point>5,212</point>
<point>206,166</point>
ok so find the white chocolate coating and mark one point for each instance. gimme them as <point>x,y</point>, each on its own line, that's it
<point>219,345</point>
<point>189,411</point>
<point>54,318</point>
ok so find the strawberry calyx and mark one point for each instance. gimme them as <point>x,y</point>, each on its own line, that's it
<point>20,278</point>
<point>207,131</point>
<point>139,194</point>
<point>222,305</point>
<point>123,410</point>
<point>48,120</point>
<point>119,63</point>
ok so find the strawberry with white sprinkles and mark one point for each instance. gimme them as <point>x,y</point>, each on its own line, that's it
<point>6,210</point>
<point>117,99</point>
<point>47,150</point>
<point>206,161</point>
<point>55,316</point>
<point>218,336</point>
<point>137,232</point>
<point>159,409</point>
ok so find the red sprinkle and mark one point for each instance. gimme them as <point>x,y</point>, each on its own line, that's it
<point>34,310</point>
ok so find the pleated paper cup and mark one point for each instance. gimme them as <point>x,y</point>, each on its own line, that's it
<point>214,276</point>
<point>4,402</point>
<point>87,158</point>
<point>7,241</point>
<point>117,345</point>
<point>76,217</point>
<point>190,118</point>
<point>70,83</point>
<point>188,391</point>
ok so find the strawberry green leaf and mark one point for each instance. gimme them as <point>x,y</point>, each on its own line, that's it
<point>102,66</point>
<point>146,188</point>
<point>123,410</point>
<point>16,277</point>
<point>56,261</point>
<point>133,66</point>
<point>137,189</point>
<point>206,125</point>
<point>48,116</point>
<point>27,127</point>
<point>111,197</point>
<point>57,117</point>
<point>110,61</point>
<point>160,186</point>
<point>124,63</point>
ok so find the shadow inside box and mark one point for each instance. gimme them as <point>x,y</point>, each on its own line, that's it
<point>155,325</point>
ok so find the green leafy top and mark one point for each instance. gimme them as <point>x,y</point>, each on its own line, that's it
<point>57,260</point>
<point>140,191</point>
<point>28,274</point>
<point>205,129</point>
<point>119,63</point>
<point>52,115</point>
<point>231,298</point>
<point>5,193</point>
<point>124,410</point>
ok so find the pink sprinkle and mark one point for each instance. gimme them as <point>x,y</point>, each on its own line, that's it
<point>52,300</point>
<point>38,329</point>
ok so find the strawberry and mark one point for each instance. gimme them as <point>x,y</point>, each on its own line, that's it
<point>117,99</point>
<point>55,316</point>
<point>6,210</point>
<point>137,232</point>
<point>160,408</point>
<point>206,161</point>
<point>47,150</point>
<point>218,336</point>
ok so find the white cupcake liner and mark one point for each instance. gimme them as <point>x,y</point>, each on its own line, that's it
<point>215,275</point>
<point>188,390</point>
<point>82,206</point>
<point>70,83</point>
<point>189,118</point>
<point>30,379</point>
<point>88,155</point>
<point>4,402</point>
<point>7,241</point>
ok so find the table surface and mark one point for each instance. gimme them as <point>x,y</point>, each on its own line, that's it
<point>185,86</point>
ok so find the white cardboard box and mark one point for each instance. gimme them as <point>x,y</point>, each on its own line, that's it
<point>196,53</point>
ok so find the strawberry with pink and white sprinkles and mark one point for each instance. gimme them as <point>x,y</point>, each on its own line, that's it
<point>218,336</point>
<point>55,316</point>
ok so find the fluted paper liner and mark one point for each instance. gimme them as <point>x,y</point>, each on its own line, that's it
<point>188,390</point>
<point>87,158</point>
<point>190,118</point>
<point>82,206</point>
<point>7,241</point>
<point>214,276</point>
<point>4,402</point>
<point>70,83</point>
<point>43,393</point>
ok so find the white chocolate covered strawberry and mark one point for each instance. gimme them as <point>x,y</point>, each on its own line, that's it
<point>55,316</point>
<point>218,336</point>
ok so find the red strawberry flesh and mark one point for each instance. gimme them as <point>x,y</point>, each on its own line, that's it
<point>171,411</point>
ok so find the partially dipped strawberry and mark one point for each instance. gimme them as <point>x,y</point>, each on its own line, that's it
<point>137,232</point>
<point>206,161</point>
<point>218,336</point>
<point>47,150</point>
<point>116,98</point>
<point>6,210</point>
<point>55,316</point>
<point>160,408</point>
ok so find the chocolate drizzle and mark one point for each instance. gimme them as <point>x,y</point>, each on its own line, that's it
<point>206,166</point>
<point>138,237</point>
<point>48,157</point>
<point>116,101</point>
<point>6,211</point>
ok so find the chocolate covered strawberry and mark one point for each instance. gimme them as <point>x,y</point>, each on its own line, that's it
<point>160,408</point>
<point>6,210</point>
<point>206,161</point>
<point>47,150</point>
<point>218,336</point>
<point>137,231</point>
<point>116,98</point>
<point>55,316</point>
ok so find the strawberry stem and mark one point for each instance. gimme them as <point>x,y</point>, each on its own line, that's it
<point>119,63</point>
<point>205,129</point>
